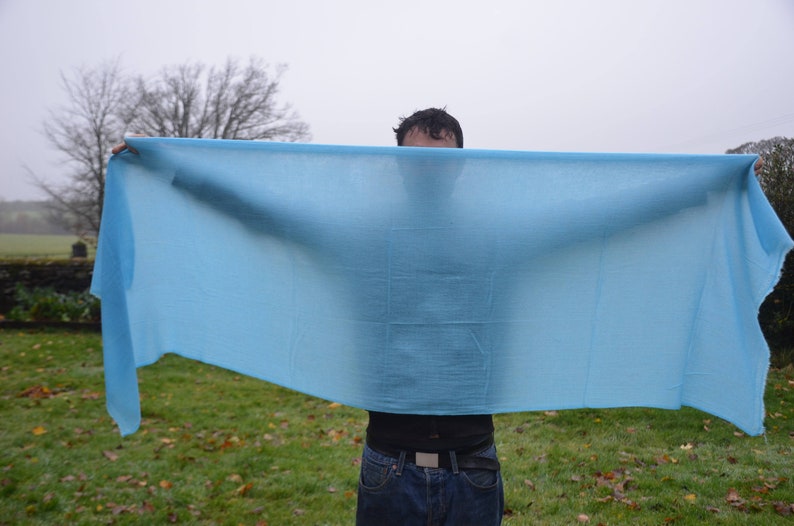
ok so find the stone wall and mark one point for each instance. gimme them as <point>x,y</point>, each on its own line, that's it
<point>62,275</point>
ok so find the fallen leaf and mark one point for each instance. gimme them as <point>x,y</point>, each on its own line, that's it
<point>242,490</point>
<point>36,392</point>
<point>111,456</point>
<point>166,484</point>
<point>39,430</point>
<point>582,518</point>
<point>734,499</point>
<point>783,509</point>
<point>732,495</point>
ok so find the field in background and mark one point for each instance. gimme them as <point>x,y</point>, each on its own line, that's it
<point>38,246</point>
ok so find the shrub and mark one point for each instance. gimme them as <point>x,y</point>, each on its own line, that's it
<point>45,304</point>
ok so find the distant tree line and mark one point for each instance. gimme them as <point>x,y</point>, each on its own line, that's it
<point>28,217</point>
<point>234,101</point>
<point>777,179</point>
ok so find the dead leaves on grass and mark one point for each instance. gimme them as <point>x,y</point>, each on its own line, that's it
<point>619,482</point>
<point>89,501</point>
<point>36,392</point>
<point>755,502</point>
<point>42,392</point>
<point>621,487</point>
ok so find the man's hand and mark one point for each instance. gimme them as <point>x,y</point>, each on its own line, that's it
<point>121,147</point>
<point>759,164</point>
<point>124,146</point>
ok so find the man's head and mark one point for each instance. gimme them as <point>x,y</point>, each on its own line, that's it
<point>430,127</point>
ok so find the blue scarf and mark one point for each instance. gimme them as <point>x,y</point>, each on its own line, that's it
<point>441,281</point>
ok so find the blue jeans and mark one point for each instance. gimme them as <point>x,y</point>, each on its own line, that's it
<point>392,491</point>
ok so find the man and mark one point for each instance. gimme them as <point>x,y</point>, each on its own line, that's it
<point>422,469</point>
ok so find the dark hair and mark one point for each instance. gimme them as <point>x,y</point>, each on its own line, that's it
<point>433,121</point>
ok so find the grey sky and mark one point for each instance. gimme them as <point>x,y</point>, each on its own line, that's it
<point>690,76</point>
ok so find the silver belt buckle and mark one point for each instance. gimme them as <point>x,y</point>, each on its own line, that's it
<point>427,460</point>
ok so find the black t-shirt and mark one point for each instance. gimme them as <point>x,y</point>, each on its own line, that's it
<point>428,432</point>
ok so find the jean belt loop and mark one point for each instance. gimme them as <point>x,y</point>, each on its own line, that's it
<point>400,464</point>
<point>453,460</point>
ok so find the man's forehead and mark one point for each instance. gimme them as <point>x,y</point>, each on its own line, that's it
<point>422,137</point>
<point>425,130</point>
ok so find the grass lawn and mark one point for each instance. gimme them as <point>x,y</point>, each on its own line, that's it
<point>219,448</point>
<point>37,246</point>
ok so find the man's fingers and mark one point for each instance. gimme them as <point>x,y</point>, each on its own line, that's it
<point>119,148</point>
<point>124,146</point>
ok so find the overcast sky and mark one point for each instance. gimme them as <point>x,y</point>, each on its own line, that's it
<point>689,76</point>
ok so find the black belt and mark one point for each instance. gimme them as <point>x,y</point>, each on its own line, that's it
<point>443,459</point>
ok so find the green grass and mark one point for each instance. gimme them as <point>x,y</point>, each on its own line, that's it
<point>38,246</point>
<point>219,448</point>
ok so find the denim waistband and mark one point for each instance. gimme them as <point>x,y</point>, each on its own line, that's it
<point>448,459</point>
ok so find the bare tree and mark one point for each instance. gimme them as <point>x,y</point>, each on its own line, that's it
<point>84,131</point>
<point>231,102</point>
<point>188,100</point>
